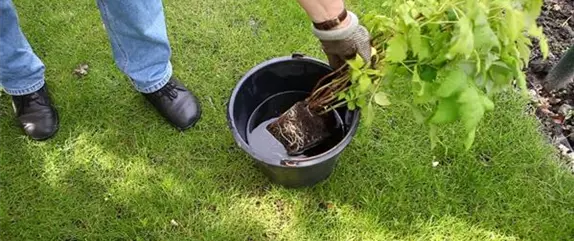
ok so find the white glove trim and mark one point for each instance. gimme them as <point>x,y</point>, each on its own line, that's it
<point>341,33</point>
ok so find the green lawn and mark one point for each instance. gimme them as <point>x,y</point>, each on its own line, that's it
<point>117,171</point>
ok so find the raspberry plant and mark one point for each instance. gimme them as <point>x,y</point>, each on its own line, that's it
<point>455,55</point>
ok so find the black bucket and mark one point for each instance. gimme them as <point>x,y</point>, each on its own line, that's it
<point>264,93</point>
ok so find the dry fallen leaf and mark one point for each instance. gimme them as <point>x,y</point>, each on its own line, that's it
<point>81,70</point>
<point>558,119</point>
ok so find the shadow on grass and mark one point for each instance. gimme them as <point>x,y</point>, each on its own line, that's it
<point>118,170</point>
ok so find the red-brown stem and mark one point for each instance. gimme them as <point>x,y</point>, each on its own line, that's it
<point>320,92</point>
<point>327,76</point>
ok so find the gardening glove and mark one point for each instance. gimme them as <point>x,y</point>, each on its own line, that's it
<point>344,43</point>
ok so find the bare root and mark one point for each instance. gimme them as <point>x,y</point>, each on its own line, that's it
<point>292,133</point>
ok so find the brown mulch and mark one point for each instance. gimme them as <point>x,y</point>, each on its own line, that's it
<point>554,109</point>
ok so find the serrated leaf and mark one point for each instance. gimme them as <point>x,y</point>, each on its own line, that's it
<point>484,38</point>
<point>351,105</point>
<point>419,45</point>
<point>514,22</point>
<point>374,72</point>
<point>470,137</point>
<point>500,74</point>
<point>487,103</point>
<point>471,108</point>
<point>369,114</point>
<point>446,111</point>
<point>417,85</point>
<point>361,102</point>
<point>543,43</point>
<point>355,74</point>
<point>382,99</point>
<point>454,80</point>
<point>403,11</point>
<point>415,40</point>
<point>397,49</point>
<point>425,49</point>
<point>356,63</point>
<point>364,83</point>
<point>341,95</point>
<point>521,82</point>
<point>463,39</point>
<point>425,94</point>
<point>428,73</point>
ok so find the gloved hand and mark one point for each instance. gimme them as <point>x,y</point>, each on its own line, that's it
<point>344,43</point>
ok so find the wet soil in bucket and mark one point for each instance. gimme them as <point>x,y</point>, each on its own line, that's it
<point>322,132</point>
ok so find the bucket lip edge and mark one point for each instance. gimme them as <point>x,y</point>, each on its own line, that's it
<point>328,155</point>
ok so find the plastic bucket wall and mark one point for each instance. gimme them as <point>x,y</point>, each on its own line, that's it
<point>292,73</point>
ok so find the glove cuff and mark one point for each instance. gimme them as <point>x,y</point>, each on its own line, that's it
<point>341,33</point>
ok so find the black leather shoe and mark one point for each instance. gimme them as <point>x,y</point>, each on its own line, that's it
<point>177,104</point>
<point>36,114</point>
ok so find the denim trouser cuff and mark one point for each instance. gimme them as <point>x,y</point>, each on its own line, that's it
<point>28,90</point>
<point>157,84</point>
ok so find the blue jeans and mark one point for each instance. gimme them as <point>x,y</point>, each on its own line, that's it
<point>136,31</point>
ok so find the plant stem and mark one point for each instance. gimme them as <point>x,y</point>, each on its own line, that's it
<point>327,76</point>
<point>319,91</point>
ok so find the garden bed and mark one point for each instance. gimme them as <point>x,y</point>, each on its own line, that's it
<point>555,109</point>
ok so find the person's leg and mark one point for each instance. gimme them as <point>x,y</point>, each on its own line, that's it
<point>138,36</point>
<point>21,71</point>
<point>22,77</point>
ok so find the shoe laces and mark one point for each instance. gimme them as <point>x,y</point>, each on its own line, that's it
<point>169,90</point>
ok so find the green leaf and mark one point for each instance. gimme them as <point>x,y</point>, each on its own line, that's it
<point>355,74</point>
<point>500,74</point>
<point>446,112</point>
<point>471,112</point>
<point>425,49</point>
<point>397,49</point>
<point>369,114</point>
<point>382,99</point>
<point>487,103</point>
<point>417,83</point>
<point>454,80</point>
<point>469,141</point>
<point>373,72</point>
<point>463,39</point>
<point>422,90</point>
<point>428,73</point>
<point>341,95</point>
<point>419,46</point>
<point>484,37</point>
<point>536,31</point>
<point>364,83</point>
<point>361,102</point>
<point>356,63</point>
<point>351,105</point>
<point>514,22</point>
<point>403,11</point>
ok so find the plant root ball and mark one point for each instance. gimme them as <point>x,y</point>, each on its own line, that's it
<point>299,129</point>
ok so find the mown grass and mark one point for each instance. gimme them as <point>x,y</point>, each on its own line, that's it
<point>116,170</point>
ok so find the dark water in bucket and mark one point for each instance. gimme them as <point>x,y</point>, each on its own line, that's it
<point>269,148</point>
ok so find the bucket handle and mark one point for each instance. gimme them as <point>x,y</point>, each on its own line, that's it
<point>292,162</point>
